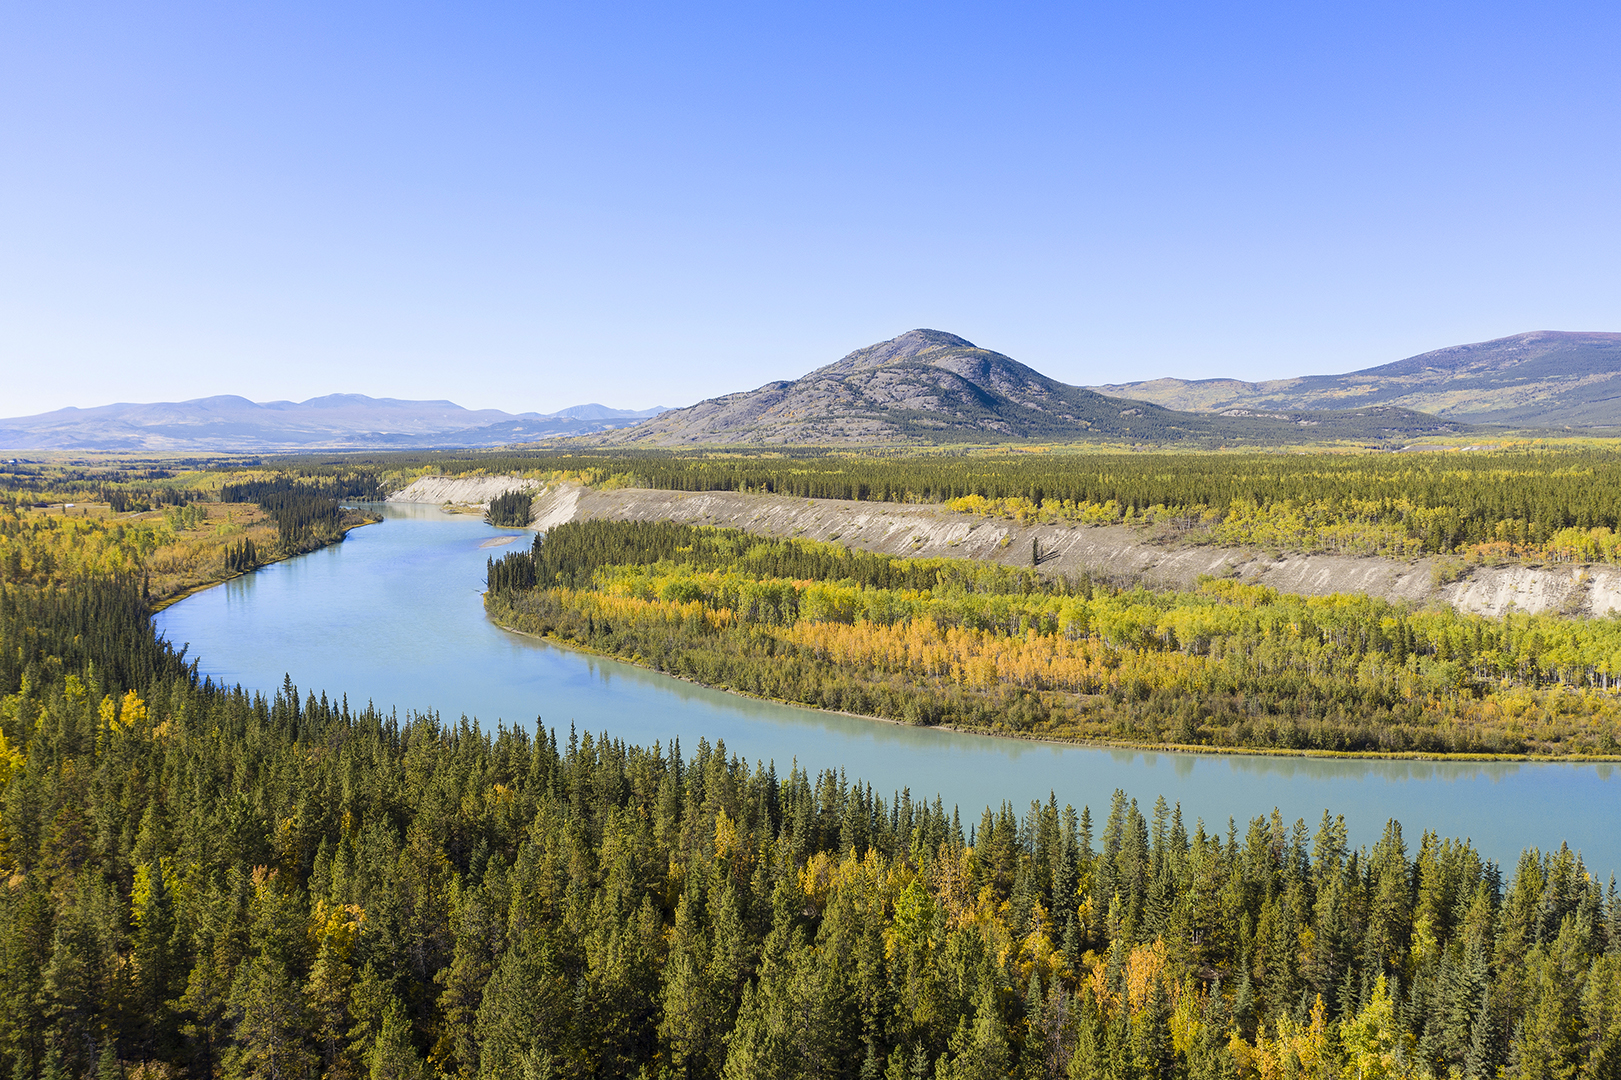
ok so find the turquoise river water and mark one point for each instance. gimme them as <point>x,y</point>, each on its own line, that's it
<point>393,615</point>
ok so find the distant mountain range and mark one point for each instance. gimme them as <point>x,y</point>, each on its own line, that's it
<point>923,387</point>
<point>1546,379</point>
<point>230,424</point>
<point>927,386</point>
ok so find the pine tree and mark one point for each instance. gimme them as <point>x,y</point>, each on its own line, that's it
<point>980,1051</point>
<point>54,1068</point>
<point>920,1063</point>
<point>1481,1059</point>
<point>108,1066</point>
<point>69,988</point>
<point>688,1007</point>
<point>270,1024</point>
<point>1547,1040</point>
<point>1374,1046</point>
<point>159,956</point>
<point>393,1057</point>
<point>328,991</point>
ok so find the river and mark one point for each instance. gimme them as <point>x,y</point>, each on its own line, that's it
<point>393,615</point>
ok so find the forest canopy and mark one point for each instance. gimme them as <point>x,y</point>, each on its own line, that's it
<point>994,648</point>
<point>197,881</point>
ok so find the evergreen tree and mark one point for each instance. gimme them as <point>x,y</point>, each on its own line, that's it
<point>268,1036</point>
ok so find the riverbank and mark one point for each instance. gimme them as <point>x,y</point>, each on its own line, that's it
<point>1092,743</point>
<point>394,616</point>
<point>1118,554</point>
<point>765,660</point>
<point>220,578</point>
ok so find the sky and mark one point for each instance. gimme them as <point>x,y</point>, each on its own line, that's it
<point>529,206</point>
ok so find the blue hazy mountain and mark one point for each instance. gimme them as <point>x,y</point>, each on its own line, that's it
<point>231,424</point>
<point>1547,379</point>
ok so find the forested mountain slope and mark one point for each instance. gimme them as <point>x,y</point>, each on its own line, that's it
<point>926,386</point>
<point>1543,379</point>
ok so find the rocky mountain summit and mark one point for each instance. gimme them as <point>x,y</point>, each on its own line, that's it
<point>1548,378</point>
<point>928,386</point>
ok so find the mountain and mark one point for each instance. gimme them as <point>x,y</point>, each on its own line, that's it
<point>230,424</point>
<point>602,412</point>
<point>1549,379</point>
<point>927,386</point>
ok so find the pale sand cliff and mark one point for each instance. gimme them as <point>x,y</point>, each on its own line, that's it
<point>463,490</point>
<point>1115,552</point>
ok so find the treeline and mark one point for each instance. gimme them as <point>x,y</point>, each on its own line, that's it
<point>49,550</point>
<point>73,600</point>
<point>1537,503</point>
<point>198,882</point>
<point>127,500</point>
<point>307,512</point>
<point>85,626</point>
<point>984,646</point>
<point>164,556</point>
<point>302,518</point>
<point>328,484</point>
<point>241,556</point>
<point>127,486</point>
<point>512,509</point>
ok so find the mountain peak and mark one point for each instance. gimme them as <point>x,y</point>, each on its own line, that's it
<point>927,386</point>
<point>904,347</point>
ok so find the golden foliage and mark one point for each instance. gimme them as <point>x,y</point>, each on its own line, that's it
<point>1144,967</point>
<point>1294,1052</point>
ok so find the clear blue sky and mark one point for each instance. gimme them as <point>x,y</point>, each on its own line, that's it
<point>527,206</point>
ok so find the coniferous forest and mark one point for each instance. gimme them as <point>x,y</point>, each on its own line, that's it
<point>199,882</point>
<point>511,509</point>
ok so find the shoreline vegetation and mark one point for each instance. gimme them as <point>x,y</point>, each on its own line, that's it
<point>208,544</point>
<point>1003,651</point>
<point>197,882</point>
<point>1098,743</point>
<point>351,521</point>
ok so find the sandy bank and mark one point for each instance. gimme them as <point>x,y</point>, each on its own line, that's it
<point>463,491</point>
<point>1116,552</point>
